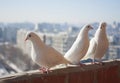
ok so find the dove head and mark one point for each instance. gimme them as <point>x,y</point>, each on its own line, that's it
<point>85,30</point>
<point>101,30</point>
<point>88,27</point>
<point>31,36</point>
<point>103,25</point>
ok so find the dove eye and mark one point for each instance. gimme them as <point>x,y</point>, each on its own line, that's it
<point>29,35</point>
<point>88,27</point>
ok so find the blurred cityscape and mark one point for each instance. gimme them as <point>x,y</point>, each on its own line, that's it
<point>15,52</point>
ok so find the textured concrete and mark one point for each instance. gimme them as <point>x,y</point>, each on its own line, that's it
<point>107,73</point>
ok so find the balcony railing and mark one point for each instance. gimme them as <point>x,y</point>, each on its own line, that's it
<point>107,73</point>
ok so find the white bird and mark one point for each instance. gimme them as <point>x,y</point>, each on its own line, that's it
<point>45,56</point>
<point>79,47</point>
<point>98,44</point>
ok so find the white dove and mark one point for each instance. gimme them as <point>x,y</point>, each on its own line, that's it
<point>45,56</point>
<point>79,47</point>
<point>98,44</point>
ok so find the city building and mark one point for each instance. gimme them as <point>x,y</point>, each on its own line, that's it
<point>61,41</point>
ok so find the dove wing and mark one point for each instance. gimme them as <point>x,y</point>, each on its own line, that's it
<point>53,57</point>
<point>92,49</point>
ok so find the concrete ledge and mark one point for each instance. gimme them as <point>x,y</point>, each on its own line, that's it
<point>108,73</point>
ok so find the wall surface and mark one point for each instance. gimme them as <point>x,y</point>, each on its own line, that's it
<point>107,73</point>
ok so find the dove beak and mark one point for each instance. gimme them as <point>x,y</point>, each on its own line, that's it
<point>91,27</point>
<point>26,39</point>
<point>101,27</point>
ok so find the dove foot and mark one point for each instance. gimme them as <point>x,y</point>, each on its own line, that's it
<point>98,63</point>
<point>114,59</point>
<point>80,64</point>
<point>94,63</point>
<point>44,70</point>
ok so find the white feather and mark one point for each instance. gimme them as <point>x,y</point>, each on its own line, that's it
<point>44,55</point>
<point>99,44</point>
<point>79,47</point>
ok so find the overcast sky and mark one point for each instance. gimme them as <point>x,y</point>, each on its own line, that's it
<point>59,11</point>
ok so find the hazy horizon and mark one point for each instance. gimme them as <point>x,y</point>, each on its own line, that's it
<point>63,11</point>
